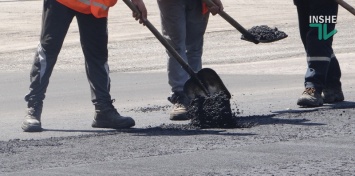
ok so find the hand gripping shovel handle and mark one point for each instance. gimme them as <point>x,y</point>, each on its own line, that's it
<point>346,6</point>
<point>234,23</point>
<point>167,45</point>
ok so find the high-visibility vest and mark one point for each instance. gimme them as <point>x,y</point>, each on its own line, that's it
<point>204,8</point>
<point>98,8</point>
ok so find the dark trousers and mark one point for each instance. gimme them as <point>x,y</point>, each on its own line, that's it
<point>56,19</point>
<point>323,67</point>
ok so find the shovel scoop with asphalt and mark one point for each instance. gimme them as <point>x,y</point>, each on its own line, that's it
<point>205,82</point>
<point>258,34</point>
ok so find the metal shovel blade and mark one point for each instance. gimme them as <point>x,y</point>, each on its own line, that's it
<point>210,80</point>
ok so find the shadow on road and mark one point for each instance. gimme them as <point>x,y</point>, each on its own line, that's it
<point>341,105</point>
<point>159,131</point>
<point>170,130</point>
<point>278,117</point>
<point>338,105</point>
<point>273,119</point>
<point>80,131</point>
<point>286,116</point>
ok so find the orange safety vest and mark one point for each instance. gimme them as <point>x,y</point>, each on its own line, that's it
<point>98,8</point>
<point>204,8</point>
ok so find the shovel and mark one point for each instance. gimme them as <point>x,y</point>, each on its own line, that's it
<point>204,83</point>
<point>247,35</point>
<point>346,6</point>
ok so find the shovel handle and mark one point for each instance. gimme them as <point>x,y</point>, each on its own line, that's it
<point>161,38</point>
<point>346,6</point>
<point>167,45</point>
<point>234,23</point>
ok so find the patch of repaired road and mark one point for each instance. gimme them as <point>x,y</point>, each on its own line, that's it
<point>166,140</point>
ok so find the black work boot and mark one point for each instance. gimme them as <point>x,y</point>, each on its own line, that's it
<point>180,103</point>
<point>332,95</point>
<point>32,122</point>
<point>108,117</point>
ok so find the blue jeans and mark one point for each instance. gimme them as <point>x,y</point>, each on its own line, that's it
<point>184,26</point>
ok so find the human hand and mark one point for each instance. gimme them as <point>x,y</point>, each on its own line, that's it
<point>217,7</point>
<point>143,11</point>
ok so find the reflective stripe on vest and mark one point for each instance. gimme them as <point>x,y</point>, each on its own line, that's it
<point>98,8</point>
<point>100,5</point>
<point>87,2</point>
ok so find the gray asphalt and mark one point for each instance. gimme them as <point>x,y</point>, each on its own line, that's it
<point>306,157</point>
<point>277,138</point>
<point>283,139</point>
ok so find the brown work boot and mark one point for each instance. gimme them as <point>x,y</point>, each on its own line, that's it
<point>108,117</point>
<point>32,122</point>
<point>180,103</point>
<point>310,98</point>
<point>332,95</point>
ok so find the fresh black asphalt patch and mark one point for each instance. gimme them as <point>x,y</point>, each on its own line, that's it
<point>166,139</point>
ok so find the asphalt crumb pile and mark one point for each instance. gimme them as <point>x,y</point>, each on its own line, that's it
<point>178,127</point>
<point>150,109</point>
<point>266,33</point>
<point>212,112</point>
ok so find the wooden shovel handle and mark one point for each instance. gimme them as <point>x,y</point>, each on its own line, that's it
<point>162,40</point>
<point>346,6</point>
<point>167,45</point>
<point>234,23</point>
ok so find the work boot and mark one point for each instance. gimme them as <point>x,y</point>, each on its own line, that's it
<point>108,117</point>
<point>32,122</point>
<point>332,95</point>
<point>180,103</point>
<point>310,98</point>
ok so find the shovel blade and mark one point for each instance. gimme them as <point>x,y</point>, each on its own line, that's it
<point>210,80</point>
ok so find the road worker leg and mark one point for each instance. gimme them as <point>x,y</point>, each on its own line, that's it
<point>94,39</point>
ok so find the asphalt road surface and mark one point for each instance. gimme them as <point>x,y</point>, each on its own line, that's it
<point>277,138</point>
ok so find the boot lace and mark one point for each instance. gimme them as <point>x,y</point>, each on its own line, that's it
<point>309,91</point>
